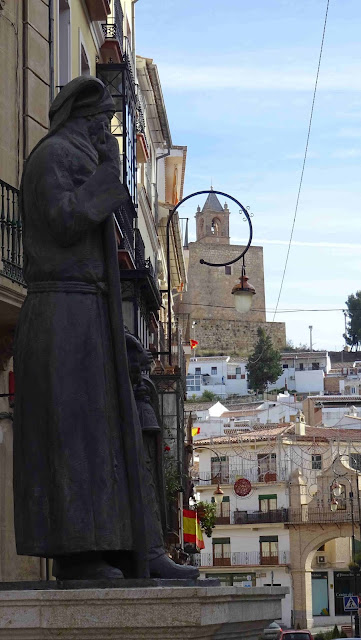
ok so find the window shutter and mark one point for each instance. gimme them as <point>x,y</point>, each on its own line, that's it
<point>221,540</point>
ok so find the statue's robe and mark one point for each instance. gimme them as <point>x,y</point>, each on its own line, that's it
<point>72,488</point>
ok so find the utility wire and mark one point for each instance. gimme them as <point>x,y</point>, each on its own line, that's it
<point>222,306</point>
<point>304,158</point>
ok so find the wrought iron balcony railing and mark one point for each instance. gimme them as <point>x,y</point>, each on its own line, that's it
<point>125,218</point>
<point>240,558</point>
<point>11,233</point>
<point>320,515</point>
<point>128,56</point>
<point>251,473</point>
<point>253,517</point>
<point>113,27</point>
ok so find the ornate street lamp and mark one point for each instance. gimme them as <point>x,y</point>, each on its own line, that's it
<point>243,291</point>
<point>218,495</point>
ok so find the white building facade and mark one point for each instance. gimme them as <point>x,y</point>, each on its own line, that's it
<point>250,544</point>
<point>303,372</point>
<point>222,375</point>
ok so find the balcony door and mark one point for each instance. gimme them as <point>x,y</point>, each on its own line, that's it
<point>223,511</point>
<point>220,469</point>
<point>221,552</point>
<point>267,467</point>
<point>268,550</point>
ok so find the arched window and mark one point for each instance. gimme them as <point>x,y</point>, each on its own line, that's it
<point>216,227</point>
<point>201,227</point>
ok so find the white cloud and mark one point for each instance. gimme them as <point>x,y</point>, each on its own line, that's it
<point>343,154</point>
<point>349,132</point>
<point>183,78</point>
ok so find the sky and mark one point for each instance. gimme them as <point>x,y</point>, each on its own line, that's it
<point>238,79</point>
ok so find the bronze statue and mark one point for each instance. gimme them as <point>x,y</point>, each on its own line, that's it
<point>81,478</point>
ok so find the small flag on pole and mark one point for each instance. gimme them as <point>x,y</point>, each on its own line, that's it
<point>192,529</point>
<point>193,344</point>
<point>195,431</point>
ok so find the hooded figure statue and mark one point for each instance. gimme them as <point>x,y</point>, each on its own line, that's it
<point>80,480</point>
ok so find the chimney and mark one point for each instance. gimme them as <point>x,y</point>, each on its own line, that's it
<point>300,425</point>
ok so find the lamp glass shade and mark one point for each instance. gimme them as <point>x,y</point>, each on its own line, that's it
<point>243,300</point>
<point>337,489</point>
<point>334,505</point>
<point>218,495</point>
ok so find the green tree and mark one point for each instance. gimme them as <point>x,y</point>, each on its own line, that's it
<point>207,396</point>
<point>264,364</point>
<point>353,327</point>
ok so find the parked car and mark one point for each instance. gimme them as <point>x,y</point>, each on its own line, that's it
<point>272,632</point>
<point>290,634</point>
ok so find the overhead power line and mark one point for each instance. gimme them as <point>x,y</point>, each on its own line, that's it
<point>222,306</point>
<point>304,158</point>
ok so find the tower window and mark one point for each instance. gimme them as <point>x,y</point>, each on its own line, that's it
<point>216,227</point>
<point>228,270</point>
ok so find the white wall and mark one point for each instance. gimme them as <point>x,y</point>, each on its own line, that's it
<point>218,383</point>
<point>301,381</point>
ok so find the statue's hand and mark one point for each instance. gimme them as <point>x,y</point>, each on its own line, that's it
<point>107,147</point>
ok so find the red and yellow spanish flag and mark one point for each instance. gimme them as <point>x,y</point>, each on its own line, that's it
<point>193,344</point>
<point>195,431</point>
<point>192,529</point>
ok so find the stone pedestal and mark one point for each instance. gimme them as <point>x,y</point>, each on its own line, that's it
<point>166,613</point>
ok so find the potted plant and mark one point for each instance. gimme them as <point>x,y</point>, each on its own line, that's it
<point>353,567</point>
<point>206,512</point>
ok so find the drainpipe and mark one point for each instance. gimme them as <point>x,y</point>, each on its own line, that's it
<point>51,50</point>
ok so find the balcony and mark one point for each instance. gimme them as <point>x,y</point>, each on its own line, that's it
<point>11,234</point>
<point>321,515</point>
<point>98,9</point>
<point>241,559</point>
<point>281,474</point>
<point>143,151</point>
<point>257,517</point>
<point>223,514</point>
<point>112,49</point>
<point>120,83</point>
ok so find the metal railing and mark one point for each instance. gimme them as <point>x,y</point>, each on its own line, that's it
<point>139,250</point>
<point>323,514</point>
<point>11,233</point>
<point>128,57</point>
<point>240,558</point>
<point>113,27</point>
<point>252,474</point>
<point>124,216</point>
<point>252,517</point>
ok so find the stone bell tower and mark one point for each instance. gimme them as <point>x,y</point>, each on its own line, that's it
<point>213,221</point>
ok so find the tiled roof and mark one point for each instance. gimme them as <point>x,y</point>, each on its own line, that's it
<point>242,406</point>
<point>260,434</point>
<point>212,203</point>
<point>354,399</point>
<point>207,358</point>
<point>198,406</point>
<point>322,434</point>
<point>303,354</point>
<point>240,413</point>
